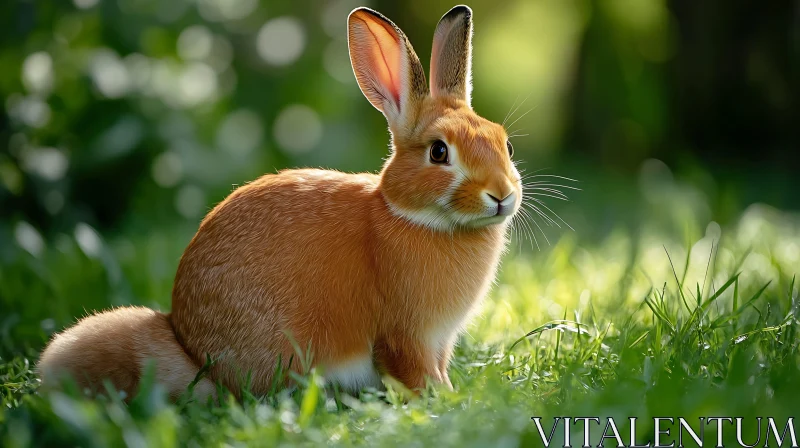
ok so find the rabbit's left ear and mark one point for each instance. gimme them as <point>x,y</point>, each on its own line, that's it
<point>451,58</point>
<point>386,67</point>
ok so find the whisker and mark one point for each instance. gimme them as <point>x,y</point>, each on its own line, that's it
<point>553,175</point>
<point>560,198</point>
<point>517,108</point>
<point>532,173</point>
<point>516,230</point>
<point>508,114</point>
<point>533,231</point>
<point>533,196</point>
<point>513,229</point>
<point>537,192</point>
<point>549,187</point>
<point>522,116</point>
<point>548,220</point>
<point>530,181</point>
<point>554,213</point>
<point>529,230</point>
<point>543,234</point>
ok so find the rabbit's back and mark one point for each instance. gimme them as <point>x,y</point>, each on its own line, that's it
<point>286,252</point>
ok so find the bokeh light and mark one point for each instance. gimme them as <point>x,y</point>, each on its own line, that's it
<point>220,10</point>
<point>197,84</point>
<point>195,43</point>
<point>281,41</point>
<point>29,110</point>
<point>109,74</point>
<point>167,169</point>
<point>240,133</point>
<point>48,163</point>
<point>29,238</point>
<point>37,73</point>
<point>298,128</point>
<point>88,240</point>
<point>336,61</point>
<point>190,201</point>
<point>85,4</point>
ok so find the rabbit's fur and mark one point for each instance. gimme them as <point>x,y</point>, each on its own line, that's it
<point>374,274</point>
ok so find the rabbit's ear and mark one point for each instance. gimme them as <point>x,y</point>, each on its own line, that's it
<point>387,69</point>
<point>451,57</point>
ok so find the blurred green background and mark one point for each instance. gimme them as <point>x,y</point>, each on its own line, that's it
<point>124,121</point>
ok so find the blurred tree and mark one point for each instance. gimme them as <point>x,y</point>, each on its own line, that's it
<point>697,84</point>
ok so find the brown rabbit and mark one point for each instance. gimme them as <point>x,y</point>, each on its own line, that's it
<point>377,274</point>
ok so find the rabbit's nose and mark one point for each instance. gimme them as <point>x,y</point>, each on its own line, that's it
<point>499,190</point>
<point>505,205</point>
<point>499,200</point>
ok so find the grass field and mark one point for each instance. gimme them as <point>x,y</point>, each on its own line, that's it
<point>577,329</point>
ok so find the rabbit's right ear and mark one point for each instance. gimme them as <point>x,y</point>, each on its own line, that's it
<point>387,69</point>
<point>451,57</point>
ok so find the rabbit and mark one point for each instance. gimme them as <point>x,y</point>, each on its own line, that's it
<point>371,274</point>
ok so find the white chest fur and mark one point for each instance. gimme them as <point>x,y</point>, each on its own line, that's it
<point>354,374</point>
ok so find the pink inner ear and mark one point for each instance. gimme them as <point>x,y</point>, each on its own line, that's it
<point>383,56</point>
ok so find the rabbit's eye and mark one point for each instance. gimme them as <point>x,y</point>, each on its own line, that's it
<point>439,152</point>
<point>510,148</point>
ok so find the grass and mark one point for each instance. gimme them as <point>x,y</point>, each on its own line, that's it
<point>640,323</point>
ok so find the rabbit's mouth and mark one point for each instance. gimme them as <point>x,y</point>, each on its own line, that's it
<point>486,221</point>
<point>492,213</point>
<point>506,206</point>
<point>498,214</point>
<point>450,217</point>
<point>496,210</point>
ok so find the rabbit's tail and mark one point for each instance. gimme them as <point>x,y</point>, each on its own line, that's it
<point>117,345</point>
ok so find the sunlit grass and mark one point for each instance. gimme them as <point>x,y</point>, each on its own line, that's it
<point>583,329</point>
